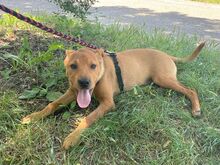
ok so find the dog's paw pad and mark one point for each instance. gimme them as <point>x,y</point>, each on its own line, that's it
<point>26,120</point>
<point>196,113</point>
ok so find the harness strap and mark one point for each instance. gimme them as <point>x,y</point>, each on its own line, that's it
<point>117,70</point>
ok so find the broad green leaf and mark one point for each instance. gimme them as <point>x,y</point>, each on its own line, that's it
<point>73,105</point>
<point>55,46</point>
<point>29,94</point>
<point>42,93</point>
<point>15,58</point>
<point>52,96</point>
<point>66,115</point>
<point>5,74</point>
<point>51,82</point>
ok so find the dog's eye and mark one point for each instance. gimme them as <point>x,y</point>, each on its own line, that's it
<point>73,66</point>
<point>93,66</point>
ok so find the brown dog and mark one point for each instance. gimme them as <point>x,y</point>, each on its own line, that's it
<point>93,72</point>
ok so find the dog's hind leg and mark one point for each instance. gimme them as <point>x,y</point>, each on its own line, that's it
<point>50,108</point>
<point>174,84</point>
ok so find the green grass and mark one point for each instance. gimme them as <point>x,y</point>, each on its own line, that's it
<point>208,1</point>
<point>150,125</point>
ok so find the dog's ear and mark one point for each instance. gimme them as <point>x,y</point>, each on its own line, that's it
<point>101,52</point>
<point>68,53</point>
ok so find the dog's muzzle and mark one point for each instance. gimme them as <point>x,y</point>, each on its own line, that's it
<point>84,83</point>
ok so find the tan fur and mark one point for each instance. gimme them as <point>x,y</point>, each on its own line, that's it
<point>137,66</point>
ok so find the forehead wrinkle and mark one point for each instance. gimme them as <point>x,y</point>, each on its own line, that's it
<point>86,58</point>
<point>86,50</point>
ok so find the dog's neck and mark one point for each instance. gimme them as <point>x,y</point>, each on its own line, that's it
<point>101,71</point>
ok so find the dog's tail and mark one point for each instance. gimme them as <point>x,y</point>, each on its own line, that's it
<point>191,57</point>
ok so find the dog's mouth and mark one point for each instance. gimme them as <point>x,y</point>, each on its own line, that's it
<point>84,97</point>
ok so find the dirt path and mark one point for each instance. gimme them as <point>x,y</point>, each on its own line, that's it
<point>182,15</point>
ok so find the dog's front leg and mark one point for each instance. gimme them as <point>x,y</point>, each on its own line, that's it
<point>105,106</point>
<point>50,108</point>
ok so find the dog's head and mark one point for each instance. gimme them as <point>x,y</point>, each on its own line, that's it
<point>84,68</point>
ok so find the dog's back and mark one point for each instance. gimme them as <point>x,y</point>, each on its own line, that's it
<point>139,65</point>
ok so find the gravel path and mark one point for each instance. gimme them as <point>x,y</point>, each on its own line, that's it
<point>182,15</point>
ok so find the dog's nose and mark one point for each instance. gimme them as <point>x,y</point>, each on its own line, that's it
<point>84,82</point>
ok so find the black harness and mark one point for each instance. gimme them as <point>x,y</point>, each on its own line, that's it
<point>117,71</point>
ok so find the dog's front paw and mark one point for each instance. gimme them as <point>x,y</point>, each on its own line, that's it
<point>26,120</point>
<point>71,140</point>
<point>196,113</point>
<point>31,118</point>
<point>66,144</point>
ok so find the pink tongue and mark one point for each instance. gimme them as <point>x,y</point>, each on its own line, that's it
<point>83,98</point>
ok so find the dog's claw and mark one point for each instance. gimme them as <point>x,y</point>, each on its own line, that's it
<point>196,113</point>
